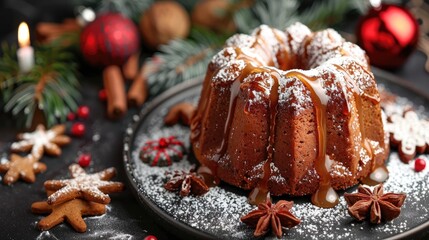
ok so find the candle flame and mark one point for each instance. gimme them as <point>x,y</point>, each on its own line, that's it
<point>23,35</point>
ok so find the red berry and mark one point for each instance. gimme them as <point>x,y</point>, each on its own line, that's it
<point>419,164</point>
<point>78,129</point>
<point>71,116</point>
<point>84,160</point>
<point>102,95</point>
<point>150,237</point>
<point>83,112</point>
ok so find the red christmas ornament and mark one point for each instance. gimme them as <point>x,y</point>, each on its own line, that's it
<point>83,112</point>
<point>150,237</point>
<point>84,160</point>
<point>419,164</point>
<point>389,34</point>
<point>109,40</point>
<point>78,129</point>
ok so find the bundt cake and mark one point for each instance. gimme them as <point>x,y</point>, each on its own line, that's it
<point>291,112</point>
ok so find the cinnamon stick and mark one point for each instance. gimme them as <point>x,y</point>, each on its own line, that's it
<point>138,92</point>
<point>131,66</point>
<point>47,32</point>
<point>115,90</point>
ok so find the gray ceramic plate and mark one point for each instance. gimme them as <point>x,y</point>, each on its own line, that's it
<point>217,214</point>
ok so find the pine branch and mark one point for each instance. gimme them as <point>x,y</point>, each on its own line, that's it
<point>325,13</point>
<point>281,13</point>
<point>274,13</point>
<point>50,86</point>
<point>182,60</point>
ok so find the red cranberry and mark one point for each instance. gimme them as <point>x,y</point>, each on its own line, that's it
<point>163,143</point>
<point>78,129</point>
<point>419,164</point>
<point>84,160</point>
<point>102,95</point>
<point>150,237</point>
<point>83,112</point>
<point>71,116</point>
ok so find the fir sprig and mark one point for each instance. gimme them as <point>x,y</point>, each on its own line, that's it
<point>282,13</point>
<point>183,59</point>
<point>50,86</point>
<point>275,13</point>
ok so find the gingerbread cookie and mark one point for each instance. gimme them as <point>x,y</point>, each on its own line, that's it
<point>91,187</point>
<point>409,133</point>
<point>42,141</point>
<point>21,167</point>
<point>71,211</point>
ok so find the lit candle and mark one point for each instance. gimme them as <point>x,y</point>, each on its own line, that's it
<point>25,52</point>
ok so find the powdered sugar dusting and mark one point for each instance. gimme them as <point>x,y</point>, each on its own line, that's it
<point>296,33</point>
<point>230,72</point>
<point>223,57</point>
<point>322,47</point>
<point>240,40</point>
<point>292,92</point>
<point>90,184</point>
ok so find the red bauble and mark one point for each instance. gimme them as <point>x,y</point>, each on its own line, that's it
<point>389,34</point>
<point>150,237</point>
<point>109,40</point>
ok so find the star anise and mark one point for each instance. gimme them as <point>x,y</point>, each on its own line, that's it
<point>186,183</point>
<point>377,205</point>
<point>276,215</point>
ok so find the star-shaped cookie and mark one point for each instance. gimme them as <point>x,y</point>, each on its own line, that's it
<point>71,211</point>
<point>42,141</point>
<point>92,187</point>
<point>21,167</point>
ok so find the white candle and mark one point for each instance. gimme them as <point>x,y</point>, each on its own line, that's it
<point>25,52</point>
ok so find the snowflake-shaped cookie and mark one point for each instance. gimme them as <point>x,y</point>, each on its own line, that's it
<point>92,187</point>
<point>71,211</point>
<point>21,167</point>
<point>41,141</point>
<point>409,133</point>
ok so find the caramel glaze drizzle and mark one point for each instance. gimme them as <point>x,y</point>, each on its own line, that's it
<point>379,172</point>
<point>209,171</point>
<point>325,196</point>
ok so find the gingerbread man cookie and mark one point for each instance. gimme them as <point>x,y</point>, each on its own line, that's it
<point>409,133</point>
<point>91,187</point>
<point>42,141</point>
<point>21,167</point>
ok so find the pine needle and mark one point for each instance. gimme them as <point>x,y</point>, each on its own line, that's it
<point>182,60</point>
<point>50,86</point>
